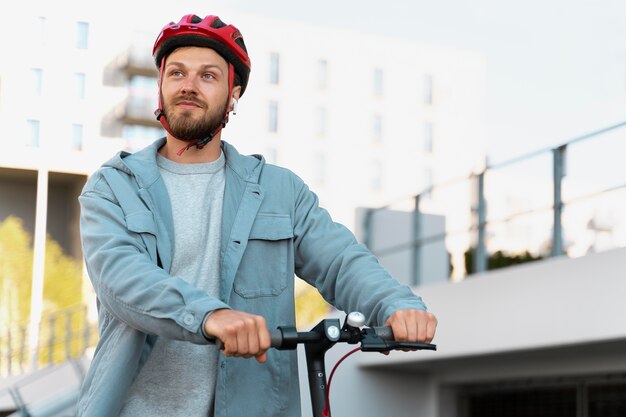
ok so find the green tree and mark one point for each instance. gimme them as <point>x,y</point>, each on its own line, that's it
<point>16,270</point>
<point>310,306</point>
<point>499,259</point>
<point>63,317</point>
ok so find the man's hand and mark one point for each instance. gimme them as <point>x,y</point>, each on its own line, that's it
<point>412,326</point>
<point>244,335</point>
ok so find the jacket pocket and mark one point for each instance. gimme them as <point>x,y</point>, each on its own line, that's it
<point>142,222</point>
<point>263,268</point>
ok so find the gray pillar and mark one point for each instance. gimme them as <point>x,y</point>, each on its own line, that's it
<point>558,165</point>
<point>480,254</point>
<point>417,242</point>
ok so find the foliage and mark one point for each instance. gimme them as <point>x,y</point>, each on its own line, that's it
<point>62,292</point>
<point>16,270</point>
<point>310,306</point>
<point>499,259</point>
<point>63,278</point>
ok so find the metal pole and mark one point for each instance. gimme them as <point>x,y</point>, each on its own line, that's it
<point>36,300</point>
<point>558,165</point>
<point>480,255</point>
<point>367,228</point>
<point>51,338</point>
<point>68,334</point>
<point>417,243</point>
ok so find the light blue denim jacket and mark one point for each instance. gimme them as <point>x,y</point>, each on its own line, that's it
<point>272,229</point>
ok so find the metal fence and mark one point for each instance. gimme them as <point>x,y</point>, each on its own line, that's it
<point>561,201</point>
<point>62,335</point>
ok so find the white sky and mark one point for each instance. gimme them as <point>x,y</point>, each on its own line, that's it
<point>556,68</point>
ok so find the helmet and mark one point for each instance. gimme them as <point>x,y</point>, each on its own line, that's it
<point>209,32</point>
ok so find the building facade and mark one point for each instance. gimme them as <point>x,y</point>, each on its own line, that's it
<point>363,119</point>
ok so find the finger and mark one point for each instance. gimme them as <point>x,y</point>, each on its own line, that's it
<point>400,332</point>
<point>243,339</point>
<point>413,326</point>
<point>265,340</point>
<point>230,345</point>
<point>253,339</point>
<point>422,326</point>
<point>431,327</point>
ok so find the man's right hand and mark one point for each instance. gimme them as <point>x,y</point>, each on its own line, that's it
<point>243,334</point>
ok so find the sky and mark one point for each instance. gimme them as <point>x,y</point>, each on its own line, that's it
<point>556,69</point>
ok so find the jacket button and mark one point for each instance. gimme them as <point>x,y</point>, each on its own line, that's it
<point>188,319</point>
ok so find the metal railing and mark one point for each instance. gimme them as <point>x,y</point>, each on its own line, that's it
<point>63,335</point>
<point>564,190</point>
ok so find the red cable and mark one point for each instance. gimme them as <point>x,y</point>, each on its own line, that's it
<point>326,412</point>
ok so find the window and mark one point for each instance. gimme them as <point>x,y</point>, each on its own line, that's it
<point>377,128</point>
<point>428,183</point>
<point>82,35</point>
<point>79,85</point>
<point>273,116</point>
<point>274,68</point>
<point>428,137</point>
<point>143,94</point>
<point>320,121</point>
<point>522,402</point>
<point>376,179</point>
<point>33,133</point>
<point>36,75</point>
<point>77,137</point>
<point>322,73</point>
<point>378,82</point>
<point>142,83</point>
<point>41,29</point>
<point>150,133</point>
<point>320,169</point>
<point>428,89</point>
<point>603,396</point>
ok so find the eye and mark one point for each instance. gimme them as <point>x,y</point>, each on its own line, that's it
<point>208,76</point>
<point>176,73</point>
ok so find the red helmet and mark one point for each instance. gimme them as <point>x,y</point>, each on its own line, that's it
<point>209,32</point>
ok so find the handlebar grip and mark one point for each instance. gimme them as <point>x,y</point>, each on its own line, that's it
<point>276,338</point>
<point>382,340</point>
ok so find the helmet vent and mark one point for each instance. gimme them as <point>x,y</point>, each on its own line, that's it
<point>217,23</point>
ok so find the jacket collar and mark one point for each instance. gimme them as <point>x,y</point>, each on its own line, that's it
<point>142,164</point>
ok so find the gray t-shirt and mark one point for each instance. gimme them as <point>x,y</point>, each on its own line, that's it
<point>178,379</point>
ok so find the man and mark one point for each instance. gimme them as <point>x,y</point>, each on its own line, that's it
<point>187,241</point>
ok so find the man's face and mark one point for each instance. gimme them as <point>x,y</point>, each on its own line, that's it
<point>194,91</point>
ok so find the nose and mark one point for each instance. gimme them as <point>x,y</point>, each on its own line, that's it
<point>188,86</point>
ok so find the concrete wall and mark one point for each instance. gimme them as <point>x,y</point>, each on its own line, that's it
<point>548,320</point>
<point>391,235</point>
<point>64,211</point>
<point>18,194</point>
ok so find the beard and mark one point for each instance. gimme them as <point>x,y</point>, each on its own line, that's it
<point>188,128</point>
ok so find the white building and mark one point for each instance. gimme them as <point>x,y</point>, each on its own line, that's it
<point>363,119</point>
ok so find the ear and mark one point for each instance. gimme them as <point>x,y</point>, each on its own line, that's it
<point>234,96</point>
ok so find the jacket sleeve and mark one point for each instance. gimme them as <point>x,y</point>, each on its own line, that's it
<point>345,272</point>
<point>127,280</point>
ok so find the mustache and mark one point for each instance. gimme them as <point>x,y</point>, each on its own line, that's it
<point>190,99</point>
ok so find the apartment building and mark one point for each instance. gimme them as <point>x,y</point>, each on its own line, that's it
<point>363,119</point>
